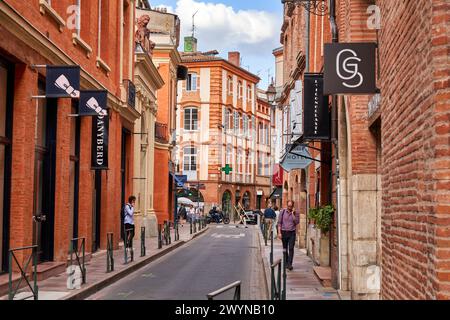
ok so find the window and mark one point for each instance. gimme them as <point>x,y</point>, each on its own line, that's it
<point>245,125</point>
<point>249,93</point>
<point>191,82</point>
<point>260,133</point>
<point>191,119</point>
<point>226,119</point>
<point>260,165</point>
<point>266,165</point>
<point>236,122</point>
<point>190,163</point>
<point>230,85</point>
<point>240,90</point>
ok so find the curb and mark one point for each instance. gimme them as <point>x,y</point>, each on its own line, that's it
<point>95,287</point>
<point>266,266</point>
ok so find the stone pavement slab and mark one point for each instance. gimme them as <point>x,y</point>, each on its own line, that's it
<point>55,288</point>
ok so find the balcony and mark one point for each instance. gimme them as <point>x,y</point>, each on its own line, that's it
<point>161,134</point>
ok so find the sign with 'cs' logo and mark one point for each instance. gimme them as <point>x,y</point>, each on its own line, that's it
<point>349,68</point>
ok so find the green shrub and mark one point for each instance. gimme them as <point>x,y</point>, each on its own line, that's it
<point>323,217</point>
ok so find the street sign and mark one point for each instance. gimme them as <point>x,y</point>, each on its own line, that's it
<point>299,158</point>
<point>227,169</point>
<point>317,116</point>
<point>181,180</point>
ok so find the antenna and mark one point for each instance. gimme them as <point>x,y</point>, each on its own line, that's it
<point>193,23</point>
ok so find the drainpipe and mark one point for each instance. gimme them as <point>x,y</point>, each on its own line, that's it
<point>308,38</point>
<point>334,139</point>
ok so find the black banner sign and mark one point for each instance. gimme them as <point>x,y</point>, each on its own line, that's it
<point>93,103</point>
<point>350,68</point>
<point>62,82</point>
<point>99,153</point>
<point>317,125</point>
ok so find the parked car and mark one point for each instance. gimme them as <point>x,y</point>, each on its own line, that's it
<point>252,216</point>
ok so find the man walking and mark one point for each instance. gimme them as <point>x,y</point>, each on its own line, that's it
<point>269,218</point>
<point>287,224</point>
<point>129,221</point>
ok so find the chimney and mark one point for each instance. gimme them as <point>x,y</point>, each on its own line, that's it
<point>234,57</point>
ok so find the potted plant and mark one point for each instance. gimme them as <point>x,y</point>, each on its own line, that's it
<point>322,217</point>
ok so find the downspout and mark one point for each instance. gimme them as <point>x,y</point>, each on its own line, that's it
<point>334,139</point>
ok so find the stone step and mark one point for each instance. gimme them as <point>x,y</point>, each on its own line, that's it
<point>324,275</point>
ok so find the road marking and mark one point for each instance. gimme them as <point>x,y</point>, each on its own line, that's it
<point>148,275</point>
<point>228,236</point>
<point>125,294</point>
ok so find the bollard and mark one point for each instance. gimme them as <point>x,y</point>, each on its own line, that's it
<point>159,237</point>
<point>271,246</point>
<point>168,231</point>
<point>190,225</point>
<point>143,242</point>
<point>109,252</point>
<point>283,294</point>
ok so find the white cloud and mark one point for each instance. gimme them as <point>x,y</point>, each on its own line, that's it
<point>255,33</point>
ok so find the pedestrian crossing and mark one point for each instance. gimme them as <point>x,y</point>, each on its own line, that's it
<point>228,236</point>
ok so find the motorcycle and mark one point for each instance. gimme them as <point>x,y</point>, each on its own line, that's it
<point>218,218</point>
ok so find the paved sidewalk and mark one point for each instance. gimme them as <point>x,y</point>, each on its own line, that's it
<point>55,288</point>
<point>301,282</point>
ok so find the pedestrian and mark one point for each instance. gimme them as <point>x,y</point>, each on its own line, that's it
<point>129,221</point>
<point>182,214</point>
<point>287,225</point>
<point>269,218</point>
<point>192,214</point>
<point>277,213</point>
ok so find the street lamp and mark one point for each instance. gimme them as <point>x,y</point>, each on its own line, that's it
<point>316,7</point>
<point>271,93</point>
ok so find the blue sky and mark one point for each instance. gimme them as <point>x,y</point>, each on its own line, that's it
<point>249,26</point>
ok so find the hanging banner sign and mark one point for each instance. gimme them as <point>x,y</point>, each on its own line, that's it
<point>298,158</point>
<point>350,68</point>
<point>99,152</point>
<point>317,125</point>
<point>93,103</point>
<point>62,82</point>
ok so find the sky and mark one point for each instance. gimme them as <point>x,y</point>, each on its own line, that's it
<point>249,26</point>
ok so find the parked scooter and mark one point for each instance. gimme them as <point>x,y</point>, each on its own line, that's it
<point>217,217</point>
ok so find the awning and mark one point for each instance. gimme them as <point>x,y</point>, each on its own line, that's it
<point>276,193</point>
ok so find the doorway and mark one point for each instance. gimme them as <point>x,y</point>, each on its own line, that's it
<point>124,168</point>
<point>6,102</point>
<point>97,210</point>
<point>226,203</point>
<point>44,175</point>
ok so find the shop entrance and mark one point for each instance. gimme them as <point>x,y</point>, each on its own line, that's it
<point>44,175</point>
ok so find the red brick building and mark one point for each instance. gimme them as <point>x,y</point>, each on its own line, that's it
<point>390,236</point>
<point>46,155</point>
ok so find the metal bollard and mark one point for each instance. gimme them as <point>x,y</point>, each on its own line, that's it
<point>168,231</point>
<point>283,293</point>
<point>143,251</point>
<point>190,225</point>
<point>109,252</point>
<point>271,246</point>
<point>159,237</point>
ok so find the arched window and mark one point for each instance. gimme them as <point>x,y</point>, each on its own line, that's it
<point>190,162</point>
<point>191,119</point>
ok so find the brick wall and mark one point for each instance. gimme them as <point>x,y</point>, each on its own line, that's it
<point>414,54</point>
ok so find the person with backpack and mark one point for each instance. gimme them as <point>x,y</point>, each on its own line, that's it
<point>287,226</point>
<point>128,212</point>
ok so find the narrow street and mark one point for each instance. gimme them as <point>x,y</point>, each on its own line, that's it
<point>222,255</point>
